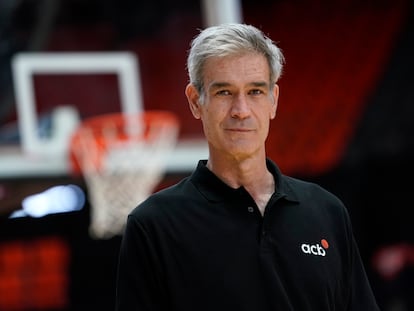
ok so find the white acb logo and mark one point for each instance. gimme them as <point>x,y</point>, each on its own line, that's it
<point>315,249</point>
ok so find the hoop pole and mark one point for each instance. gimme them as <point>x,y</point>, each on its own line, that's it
<point>217,12</point>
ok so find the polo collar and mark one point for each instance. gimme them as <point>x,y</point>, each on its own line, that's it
<point>215,190</point>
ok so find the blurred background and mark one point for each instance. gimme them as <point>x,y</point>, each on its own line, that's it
<point>345,120</point>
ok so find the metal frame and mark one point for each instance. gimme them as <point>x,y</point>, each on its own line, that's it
<point>25,65</point>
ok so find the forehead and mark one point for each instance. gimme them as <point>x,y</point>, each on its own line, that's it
<point>235,69</point>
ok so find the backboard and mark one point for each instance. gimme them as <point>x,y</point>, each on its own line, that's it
<point>26,65</point>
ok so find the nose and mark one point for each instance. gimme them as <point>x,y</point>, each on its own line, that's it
<point>240,108</point>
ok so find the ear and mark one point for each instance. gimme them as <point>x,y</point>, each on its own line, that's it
<point>193,100</point>
<point>275,102</point>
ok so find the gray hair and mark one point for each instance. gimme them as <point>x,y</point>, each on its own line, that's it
<point>231,39</point>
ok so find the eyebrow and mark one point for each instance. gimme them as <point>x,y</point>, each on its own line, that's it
<point>260,84</point>
<point>217,85</point>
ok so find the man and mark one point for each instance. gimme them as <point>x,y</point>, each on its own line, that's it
<point>237,234</point>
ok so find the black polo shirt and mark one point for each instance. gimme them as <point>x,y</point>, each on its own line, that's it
<point>202,245</point>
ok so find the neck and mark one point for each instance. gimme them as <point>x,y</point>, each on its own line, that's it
<point>252,174</point>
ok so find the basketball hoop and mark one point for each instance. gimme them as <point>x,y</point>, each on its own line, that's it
<point>122,158</point>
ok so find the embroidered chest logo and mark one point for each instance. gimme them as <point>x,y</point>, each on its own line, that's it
<point>318,249</point>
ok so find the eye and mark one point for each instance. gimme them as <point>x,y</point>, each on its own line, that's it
<point>256,92</point>
<point>223,93</point>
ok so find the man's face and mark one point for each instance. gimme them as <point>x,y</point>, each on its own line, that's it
<point>238,105</point>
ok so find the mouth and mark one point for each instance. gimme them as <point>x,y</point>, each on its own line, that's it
<point>239,130</point>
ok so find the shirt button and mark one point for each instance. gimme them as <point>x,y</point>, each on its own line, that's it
<point>250,209</point>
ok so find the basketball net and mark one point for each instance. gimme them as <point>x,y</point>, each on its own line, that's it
<point>122,159</point>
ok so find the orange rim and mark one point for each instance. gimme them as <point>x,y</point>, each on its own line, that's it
<point>91,133</point>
